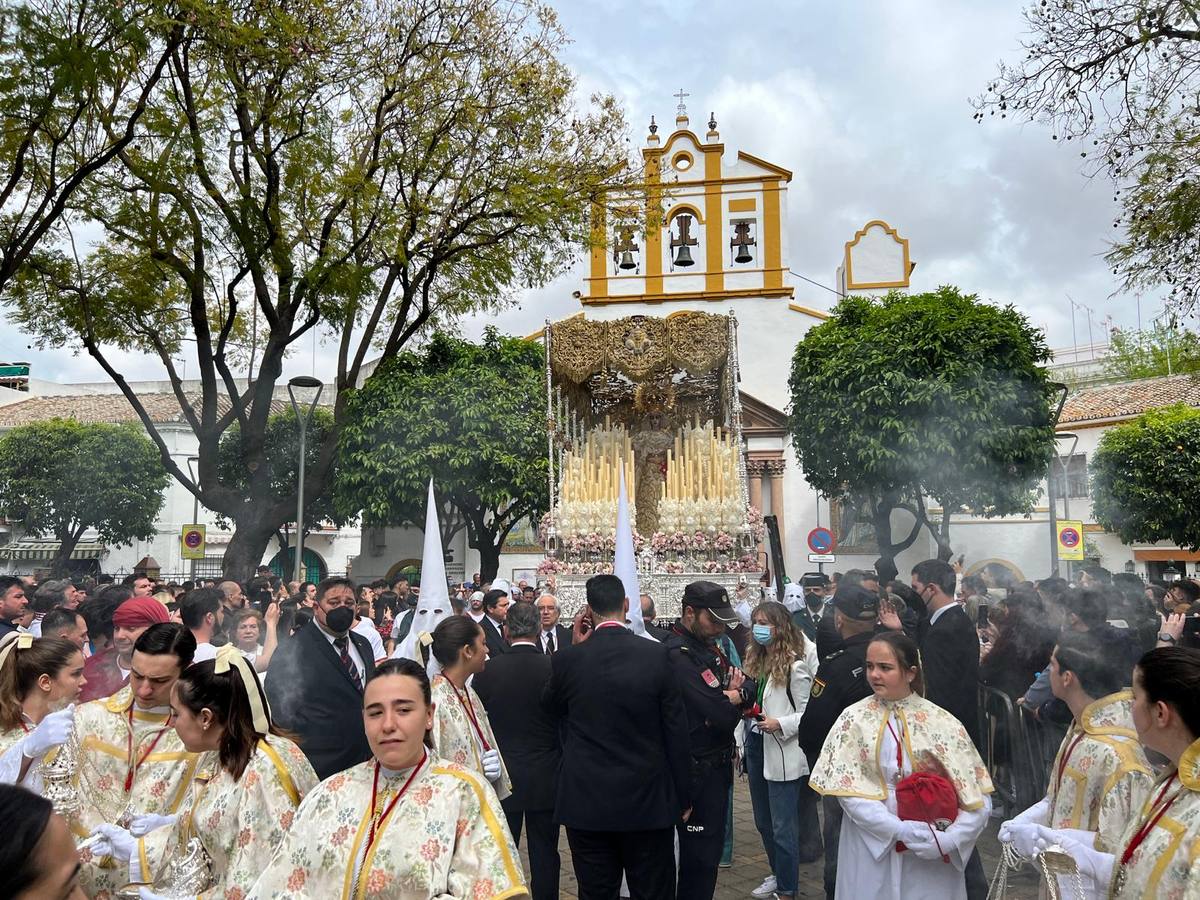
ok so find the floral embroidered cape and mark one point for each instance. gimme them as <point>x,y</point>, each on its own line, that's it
<point>454,736</point>
<point>1100,776</point>
<point>240,823</point>
<point>1166,865</point>
<point>445,838</point>
<point>849,761</point>
<point>163,769</point>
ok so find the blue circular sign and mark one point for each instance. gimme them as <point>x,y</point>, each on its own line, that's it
<point>820,540</point>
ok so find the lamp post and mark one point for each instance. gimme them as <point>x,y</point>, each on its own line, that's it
<point>308,382</point>
<point>1061,389</point>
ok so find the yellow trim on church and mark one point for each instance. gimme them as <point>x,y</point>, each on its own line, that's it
<point>808,311</point>
<point>858,236</point>
<point>726,294</point>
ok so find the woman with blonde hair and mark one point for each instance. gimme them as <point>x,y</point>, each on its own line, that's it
<point>783,662</point>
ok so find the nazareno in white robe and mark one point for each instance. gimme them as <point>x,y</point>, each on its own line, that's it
<point>868,864</point>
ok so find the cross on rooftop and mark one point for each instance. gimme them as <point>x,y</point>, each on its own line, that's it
<point>681,108</point>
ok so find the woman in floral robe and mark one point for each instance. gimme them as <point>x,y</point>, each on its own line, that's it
<point>405,825</point>
<point>1157,856</point>
<point>461,731</point>
<point>237,813</point>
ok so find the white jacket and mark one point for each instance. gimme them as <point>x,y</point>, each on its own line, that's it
<point>783,760</point>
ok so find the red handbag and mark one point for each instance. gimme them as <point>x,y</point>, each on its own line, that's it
<point>926,797</point>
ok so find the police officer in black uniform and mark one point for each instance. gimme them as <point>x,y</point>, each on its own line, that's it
<point>841,681</point>
<point>808,616</point>
<point>715,694</point>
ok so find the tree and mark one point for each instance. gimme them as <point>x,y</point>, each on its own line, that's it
<point>472,417</point>
<point>61,477</point>
<point>369,168</point>
<point>58,61</point>
<point>1144,478</point>
<point>1121,78</point>
<point>281,469</point>
<point>937,395</point>
<point>1149,354</point>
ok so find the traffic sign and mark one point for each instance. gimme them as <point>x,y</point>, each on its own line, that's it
<point>821,540</point>
<point>191,541</point>
<point>822,557</point>
<point>1070,540</point>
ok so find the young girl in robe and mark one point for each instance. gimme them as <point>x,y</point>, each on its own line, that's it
<point>236,816</point>
<point>873,746</point>
<point>461,730</point>
<point>1158,853</point>
<point>40,681</point>
<point>405,825</point>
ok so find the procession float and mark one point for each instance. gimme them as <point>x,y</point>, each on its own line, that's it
<point>657,400</point>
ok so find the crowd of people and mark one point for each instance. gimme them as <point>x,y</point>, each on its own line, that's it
<point>272,740</point>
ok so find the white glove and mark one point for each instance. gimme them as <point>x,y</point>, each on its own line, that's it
<point>491,765</point>
<point>147,894</point>
<point>1038,814</point>
<point>114,841</point>
<point>1094,866</point>
<point>912,832</point>
<point>925,845</point>
<point>143,825</point>
<point>1022,835</point>
<point>53,731</point>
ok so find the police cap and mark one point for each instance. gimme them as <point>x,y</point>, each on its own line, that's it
<point>855,602</point>
<point>710,596</point>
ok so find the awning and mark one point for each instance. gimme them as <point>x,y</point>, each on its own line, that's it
<point>1166,554</point>
<point>47,550</point>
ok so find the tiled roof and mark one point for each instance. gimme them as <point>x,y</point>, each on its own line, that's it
<point>1129,398</point>
<point>163,409</point>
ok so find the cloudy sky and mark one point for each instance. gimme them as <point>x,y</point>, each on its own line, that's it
<point>866,103</point>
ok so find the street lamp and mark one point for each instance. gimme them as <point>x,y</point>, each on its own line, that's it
<point>306,382</point>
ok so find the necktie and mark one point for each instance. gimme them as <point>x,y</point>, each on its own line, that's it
<point>343,645</point>
<point>549,641</point>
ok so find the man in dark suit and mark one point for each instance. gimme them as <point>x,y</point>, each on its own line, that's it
<point>527,735</point>
<point>495,610</point>
<point>949,647</point>
<point>649,614</point>
<point>552,636</point>
<point>624,782</point>
<point>315,682</point>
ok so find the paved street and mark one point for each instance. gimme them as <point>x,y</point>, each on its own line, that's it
<point>750,862</point>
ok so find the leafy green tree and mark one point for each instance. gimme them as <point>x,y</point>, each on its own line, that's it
<point>1148,354</point>
<point>360,170</point>
<point>907,397</point>
<point>1120,79</point>
<point>61,477</point>
<point>472,417</point>
<point>1144,478</point>
<point>280,467</point>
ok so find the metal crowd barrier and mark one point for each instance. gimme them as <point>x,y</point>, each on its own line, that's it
<point>1018,750</point>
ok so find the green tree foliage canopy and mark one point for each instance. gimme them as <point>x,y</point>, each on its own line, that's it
<point>1119,80</point>
<point>61,477</point>
<point>1146,478</point>
<point>934,394</point>
<point>281,469</point>
<point>471,416</point>
<point>363,168</point>
<point>1149,354</point>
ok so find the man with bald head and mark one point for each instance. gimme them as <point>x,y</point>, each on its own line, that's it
<point>234,598</point>
<point>552,637</point>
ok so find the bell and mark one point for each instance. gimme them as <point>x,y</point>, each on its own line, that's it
<point>627,260</point>
<point>743,254</point>
<point>684,256</point>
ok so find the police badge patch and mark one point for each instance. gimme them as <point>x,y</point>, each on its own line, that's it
<point>818,687</point>
<point>710,679</point>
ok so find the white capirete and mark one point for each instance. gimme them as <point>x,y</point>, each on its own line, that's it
<point>433,603</point>
<point>624,562</point>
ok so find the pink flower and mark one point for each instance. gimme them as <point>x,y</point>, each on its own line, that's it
<point>296,880</point>
<point>378,882</point>
<point>431,849</point>
<point>339,837</point>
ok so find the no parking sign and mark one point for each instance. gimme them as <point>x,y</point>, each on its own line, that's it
<point>1070,540</point>
<point>191,541</point>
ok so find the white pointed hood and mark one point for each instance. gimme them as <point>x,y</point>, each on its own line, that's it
<point>433,603</point>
